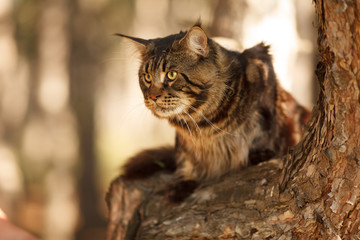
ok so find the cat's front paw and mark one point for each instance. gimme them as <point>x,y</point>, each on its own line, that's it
<point>179,191</point>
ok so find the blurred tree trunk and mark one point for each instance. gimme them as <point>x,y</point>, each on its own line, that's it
<point>317,195</point>
<point>228,19</point>
<point>84,70</point>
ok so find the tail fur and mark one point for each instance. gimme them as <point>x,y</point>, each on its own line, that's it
<point>148,162</point>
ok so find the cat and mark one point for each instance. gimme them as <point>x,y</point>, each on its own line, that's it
<point>227,108</point>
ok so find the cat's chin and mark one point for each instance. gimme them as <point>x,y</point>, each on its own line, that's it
<point>167,113</point>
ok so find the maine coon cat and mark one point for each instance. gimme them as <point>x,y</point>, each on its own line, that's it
<point>227,108</point>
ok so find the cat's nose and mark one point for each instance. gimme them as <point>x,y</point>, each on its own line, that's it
<point>154,93</point>
<point>154,97</point>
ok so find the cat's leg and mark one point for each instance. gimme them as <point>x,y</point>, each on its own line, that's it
<point>148,162</point>
<point>183,182</point>
<point>178,190</point>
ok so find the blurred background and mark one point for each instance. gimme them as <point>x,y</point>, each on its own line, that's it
<point>71,110</point>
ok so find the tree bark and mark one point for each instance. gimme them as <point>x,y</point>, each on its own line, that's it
<point>313,193</point>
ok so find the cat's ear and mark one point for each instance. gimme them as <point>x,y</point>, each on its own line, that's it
<point>196,41</point>
<point>139,43</point>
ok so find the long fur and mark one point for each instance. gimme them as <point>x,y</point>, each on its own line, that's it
<point>227,108</point>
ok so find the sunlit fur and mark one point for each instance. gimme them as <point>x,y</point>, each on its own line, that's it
<point>224,105</point>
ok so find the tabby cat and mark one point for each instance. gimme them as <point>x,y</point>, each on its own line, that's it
<point>227,108</point>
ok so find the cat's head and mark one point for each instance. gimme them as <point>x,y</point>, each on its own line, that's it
<point>177,72</point>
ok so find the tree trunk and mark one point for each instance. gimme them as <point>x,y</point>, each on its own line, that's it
<point>84,72</point>
<point>314,195</point>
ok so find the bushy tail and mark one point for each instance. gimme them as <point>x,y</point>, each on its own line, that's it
<point>148,162</point>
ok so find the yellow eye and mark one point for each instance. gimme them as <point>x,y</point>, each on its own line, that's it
<point>172,75</point>
<point>147,77</point>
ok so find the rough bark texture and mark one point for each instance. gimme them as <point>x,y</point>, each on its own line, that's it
<point>315,195</point>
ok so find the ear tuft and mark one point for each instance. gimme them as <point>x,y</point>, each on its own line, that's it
<point>198,23</point>
<point>196,41</point>
<point>139,43</point>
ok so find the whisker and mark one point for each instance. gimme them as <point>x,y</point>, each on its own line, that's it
<point>196,125</point>
<point>193,120</point>
<point>207,120</point>
<point>187,125</point>
<point>182,125</point>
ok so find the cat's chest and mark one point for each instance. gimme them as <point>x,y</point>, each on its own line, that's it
<point>226,146</point>
<point>229,145</point>
<point>204,156</point>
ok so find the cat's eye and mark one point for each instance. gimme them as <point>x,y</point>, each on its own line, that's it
<point>147,77</point>
<point>171,75</point>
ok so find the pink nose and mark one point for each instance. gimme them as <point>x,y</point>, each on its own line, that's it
<point>154,97</point>
<point>154,93</point>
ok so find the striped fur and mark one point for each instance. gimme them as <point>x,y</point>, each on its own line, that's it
<point>224,105</point>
